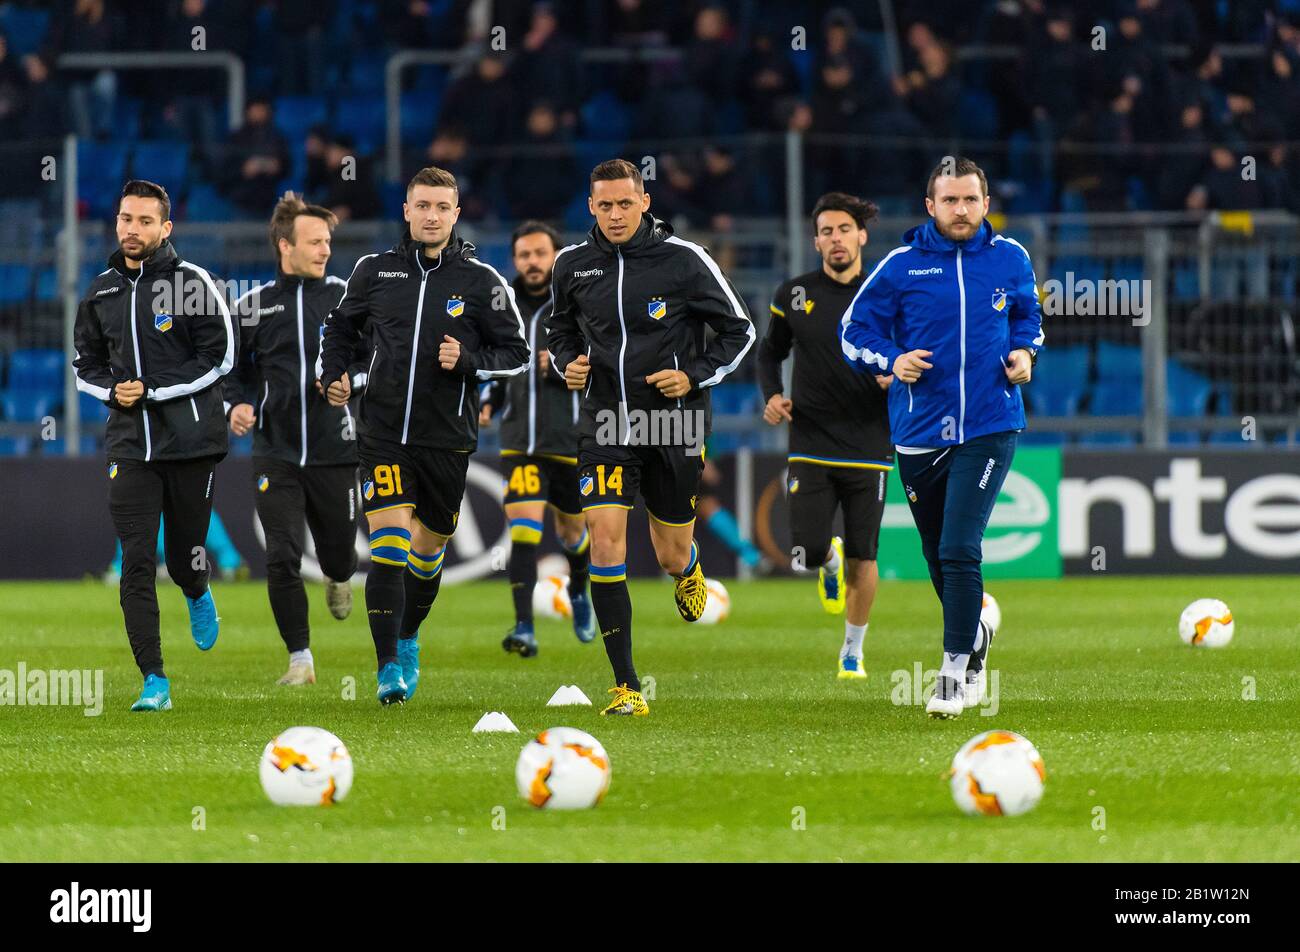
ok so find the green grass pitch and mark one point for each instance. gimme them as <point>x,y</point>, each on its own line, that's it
<point>753,750</point>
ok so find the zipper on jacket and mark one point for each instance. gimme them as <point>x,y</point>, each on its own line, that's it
<point>415,352</point>
<point>370,370</point>
<point>302,379</point>
<point>675,367</point>
<point>532,383</point>
<point>460,406</point>
<point>195,407</point>
<point>261,415</point>
<point>909,398</point>
<point>961,370</point>
<point>139,370</point>
<point>622,350</point>
<point>586,393</point>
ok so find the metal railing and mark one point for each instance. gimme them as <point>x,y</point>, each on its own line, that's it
<point>199,59</point>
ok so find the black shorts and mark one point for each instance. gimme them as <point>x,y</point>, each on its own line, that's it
<point>541,478</point>
<point>430,481</point>
<point>666,477</point>
<point>815,491</point>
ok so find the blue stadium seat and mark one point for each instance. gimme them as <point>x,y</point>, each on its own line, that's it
<point>977,115</point>
<point>16,282</point>
<point>92,410</point>
<point>604,116</point>
<point>36,369</point>
<point>1112,397</point>
<point>167,163</point>
<point>25,28</point>
<point>366,74</point>
<point>1060,380</point>
<point>1187,281</point>
<point>89,446</point>
<point>294,115</point>
<point>1119,361</point>
<point>1189,395</point>
<point>420,109</point>
<point>101,170</point>
<point>47,284</point>
<point>205,203</point>
<point>360,118</point>
<point>18,218</point>
<point>31,406</point>
<point>15,445</point>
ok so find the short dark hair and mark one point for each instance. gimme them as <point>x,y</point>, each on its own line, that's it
<point>434,177</point>
<point>139,188</point>
<point>612,170</point>
<point>286,213</point>
<point>956,166</point>
<point>861,211</point>
<point>534,227</point>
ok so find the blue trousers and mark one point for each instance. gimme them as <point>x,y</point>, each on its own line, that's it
<point>951,493</point>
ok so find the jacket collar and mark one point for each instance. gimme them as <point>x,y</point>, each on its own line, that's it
<point>291,281</point>
<point>163,260</point>
<point>650,232</point>
<point>927,238</point>
<point>413,250</point>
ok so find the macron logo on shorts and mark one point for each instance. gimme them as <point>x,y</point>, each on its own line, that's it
<point>984,480</point>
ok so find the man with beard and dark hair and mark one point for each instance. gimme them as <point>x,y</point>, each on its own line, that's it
<point>840,454</point>
<point>153,339</point>
<point>539,449</point>
<point>954,315</point>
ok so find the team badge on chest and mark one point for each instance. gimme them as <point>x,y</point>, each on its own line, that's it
<point>999,300</point>
<point>657,308</point>
<point>455,306</point>
<point>162,322</point>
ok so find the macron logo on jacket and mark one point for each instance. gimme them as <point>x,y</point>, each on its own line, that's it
<point>970,304</point>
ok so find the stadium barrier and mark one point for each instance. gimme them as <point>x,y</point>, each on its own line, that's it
<point>1061,511</point>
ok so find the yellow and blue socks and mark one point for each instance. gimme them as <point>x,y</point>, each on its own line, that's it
<point>692,562</point>
<point>423,578</point>
<point>524,536</point>
<point>613,607</point>
<point>579,557</point>
<point>390,550</point>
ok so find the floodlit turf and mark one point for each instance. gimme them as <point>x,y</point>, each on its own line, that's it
<point>753,750</point>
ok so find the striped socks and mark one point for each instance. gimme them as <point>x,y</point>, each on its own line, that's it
<point>613,607</point>
<point>423,578</point>
<point>390,550</point>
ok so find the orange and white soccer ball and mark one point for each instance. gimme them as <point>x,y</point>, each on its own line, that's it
<point>991,612</point>
<point>998,773</point>
<point>1206,623</point>
<point>718,606</point>
<point>551,597</point>
<point>563,768</point>
<point>306,767</point>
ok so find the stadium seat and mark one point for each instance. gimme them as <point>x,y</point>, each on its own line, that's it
<point>166,163</point>
<point>31,406</point>
<point>92,410</point>
<point>1189,395</point>
<point>47,284</point>
<point>1059,381</point>
<point>1119,362</point>
<point>205,203</point>
<point>18,216</point>
<point>420,109</point>
<point>25,28</point>
<point>1112,397</point>
<point>36,369</point>
<point>15,445</point>
<point>294,115</point>
<point>366,75</point>
<point>89,446</point>
<point>101,170</point>
<point>977,115</point>
<point>359,117</point>
<point>16,282</point>
<point>605,117</point>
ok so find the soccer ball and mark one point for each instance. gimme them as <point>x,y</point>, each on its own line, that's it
<point>306,767</point>
<point>563,769</point>
<point>998,773</point>
<point>1206,623</point>
<point>718,605</point>
<point>551,597</point>
<point>990,612</point>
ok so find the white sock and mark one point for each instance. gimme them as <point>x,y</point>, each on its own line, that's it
<point>832,563</point>
<point>301,657</point>
<point>853,635</point>
<point>954,665</point>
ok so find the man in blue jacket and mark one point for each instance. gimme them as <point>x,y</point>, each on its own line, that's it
<point>953,313</point>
